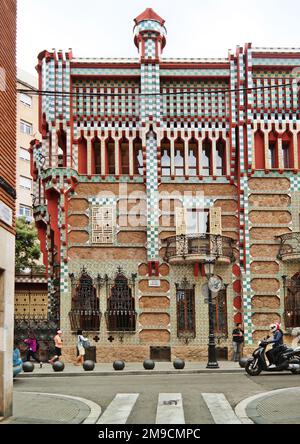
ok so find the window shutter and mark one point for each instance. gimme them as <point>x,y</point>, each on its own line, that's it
<point>215,223</point>
<point>180,221</point>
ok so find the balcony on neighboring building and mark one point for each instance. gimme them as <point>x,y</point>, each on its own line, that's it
<point>190,249</point>
<point>289,249</point>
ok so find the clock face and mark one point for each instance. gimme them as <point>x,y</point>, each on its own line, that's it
<point>214,283</point>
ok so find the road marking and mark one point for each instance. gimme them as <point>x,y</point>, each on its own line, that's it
<point>170,409</point>
<point>220,408</point>
<point>119,409</point>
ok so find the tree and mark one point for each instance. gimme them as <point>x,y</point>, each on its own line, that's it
<point>27,247</point>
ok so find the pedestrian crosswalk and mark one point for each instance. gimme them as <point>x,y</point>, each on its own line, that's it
<point>170,408</point>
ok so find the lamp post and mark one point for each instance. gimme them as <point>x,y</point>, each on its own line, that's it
<point>212,356</point>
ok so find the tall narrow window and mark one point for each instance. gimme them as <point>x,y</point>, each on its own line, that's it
<point>185,301</point>
<point>197,221</point>
<point>85,312</point>
<point>165,158</point>
<point>62,148</point>
<point>82,156</point>
<point>111,162</point>
<point>193,157</point>
<point>121,314</point>
<point>292,302</point>
<point>221,158</point>
<point>272,154</point>
<point>206,158</point>
<point>96,156</point>
<point>179,157</point>
<point>286,155</point>
<point>137,157</point>
<point>220,313</point>
<point>124,156</point>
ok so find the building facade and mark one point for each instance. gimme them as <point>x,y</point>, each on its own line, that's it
<point>27,128</point>
<point>149,168</point>
<point>7,197</point>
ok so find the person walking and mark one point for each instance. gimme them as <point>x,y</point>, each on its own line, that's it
<point>81,350</point>
<point>58,347</point>
<point>237,342</point>
<point>32,348</point>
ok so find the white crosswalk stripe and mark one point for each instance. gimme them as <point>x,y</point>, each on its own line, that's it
<point>119,409</point>
<point>220,408</point>
<point>170,409</point>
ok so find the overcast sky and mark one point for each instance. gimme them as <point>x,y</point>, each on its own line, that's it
<point>196,28</point>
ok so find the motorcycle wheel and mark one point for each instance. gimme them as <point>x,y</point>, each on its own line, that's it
<point>295,371</point>
<point>253,371</point>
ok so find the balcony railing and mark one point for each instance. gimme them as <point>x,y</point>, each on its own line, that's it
<point>192,248</point>
<point>289,249</point>
<point>87,320</point>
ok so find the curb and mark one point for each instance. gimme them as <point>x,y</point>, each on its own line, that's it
<point>127,373</point>
<point>95,409</point>
<point>248,413</point>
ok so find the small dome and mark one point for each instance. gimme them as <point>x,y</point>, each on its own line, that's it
<point>149,14</point>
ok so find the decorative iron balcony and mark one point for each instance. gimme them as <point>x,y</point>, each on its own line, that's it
<point>120,320</point>
<point>192,248</point>
<point>86,320</point>
<point>289,249</point>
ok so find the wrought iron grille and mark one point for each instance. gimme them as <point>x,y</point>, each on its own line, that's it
<point>185,300</point>
<point>121,314</point>
<point>220,313</point>
<point>85,313</point>
<point>292,302</point>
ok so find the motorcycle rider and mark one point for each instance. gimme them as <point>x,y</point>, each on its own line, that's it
<point>277,341</point>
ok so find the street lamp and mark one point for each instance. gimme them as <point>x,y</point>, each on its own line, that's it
<point>212,357</point>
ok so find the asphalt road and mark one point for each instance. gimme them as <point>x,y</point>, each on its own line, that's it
<point>102,390</point>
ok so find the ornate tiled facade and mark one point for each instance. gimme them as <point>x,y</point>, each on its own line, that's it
<point>129,144</point>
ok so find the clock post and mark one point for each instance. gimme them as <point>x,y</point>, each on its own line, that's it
<point>212,284</point>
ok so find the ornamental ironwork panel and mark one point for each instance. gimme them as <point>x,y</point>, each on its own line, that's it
<point>121,314</point>
<point>292,301</point>
<point>85,313</point>
<point>185,301</point>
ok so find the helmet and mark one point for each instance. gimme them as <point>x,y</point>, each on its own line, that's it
<point>274,327</point>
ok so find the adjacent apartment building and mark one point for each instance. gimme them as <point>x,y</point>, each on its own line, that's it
<point>7,197</point>
<point>148,169</point>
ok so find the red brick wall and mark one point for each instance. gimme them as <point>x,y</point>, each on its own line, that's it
<point>8,101</point>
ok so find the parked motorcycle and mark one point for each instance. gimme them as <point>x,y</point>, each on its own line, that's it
<point>286,359</point>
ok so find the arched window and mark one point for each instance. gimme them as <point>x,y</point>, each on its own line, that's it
<point>84,314</point>
<point>193,157</point>
<point>137,157</point>
<point>206,158</point>
<point>292,301</point>
<point>82,156</point>
<point>259,146</point>
<point>220,157</point>
<point>96,156</point>
<point>185,301</point>
<point>62,148</point>
<point>124,156</point>
<point>273,150</point>
<point>165,157</point>
<point>287,150</point>
<point>110,156</point>
<point>179,157</point>
<point>121,314</point>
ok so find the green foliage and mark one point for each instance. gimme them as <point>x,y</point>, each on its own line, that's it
<point>27,246</point>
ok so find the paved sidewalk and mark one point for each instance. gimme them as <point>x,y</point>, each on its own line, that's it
<point>276,407</point>
<point>33,408</point>
<point>132,368</point>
